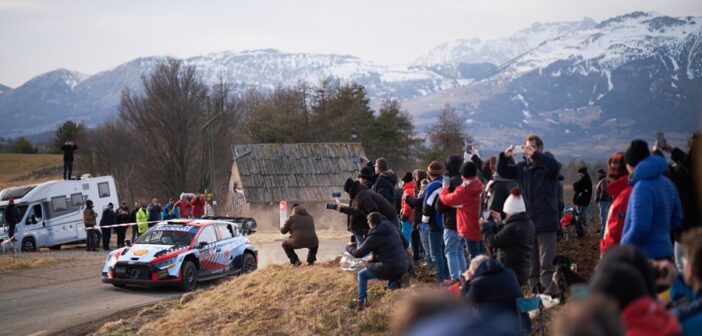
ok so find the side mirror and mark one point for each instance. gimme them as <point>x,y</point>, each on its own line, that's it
<point>202,245</point>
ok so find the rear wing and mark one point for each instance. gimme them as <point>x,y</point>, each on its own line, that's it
<point>247,224</point>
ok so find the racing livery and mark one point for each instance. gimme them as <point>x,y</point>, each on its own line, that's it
<point>182,252</point>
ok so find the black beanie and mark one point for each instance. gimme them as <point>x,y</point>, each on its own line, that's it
<point>453,164</point>
<point>348,184</point>
<point>407,178</point>
<point>468,169</point>
<point>366,173</point>
<point>632,256</point>
<point>619,281</point>
<point>637,151</point>
<point>582,170</point>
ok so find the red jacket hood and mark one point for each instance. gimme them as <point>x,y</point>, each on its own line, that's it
<point>646,316</point>
<point>616,187</point>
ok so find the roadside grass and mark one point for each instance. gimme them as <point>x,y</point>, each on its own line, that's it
<point>275,300</point>
<point>7,263</point>
<point>20,169</point>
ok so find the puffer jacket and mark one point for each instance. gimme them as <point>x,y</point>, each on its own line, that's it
<point>389,256</point>
<point>366,201</point>
<point>385,186</point>
<point>429,214</point>
<point>466,200</point>
<point>89,217</point>
<point>497,191</point>
<point>654,209</point>
<point>407,209</point>
<point>620,190</point>
<point>493,285</point>
<point>513,239</point>
<point>583,191</point>
<point>538,179</point>
<point>301,228</point>
<point>449,215</point>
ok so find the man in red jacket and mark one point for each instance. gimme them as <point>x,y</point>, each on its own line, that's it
<point>620,190</point>
<point>199,205</point>
<point>466,200</point>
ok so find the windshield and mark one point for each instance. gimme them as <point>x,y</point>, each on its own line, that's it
<point>22,209</point>
<point>163,237</point>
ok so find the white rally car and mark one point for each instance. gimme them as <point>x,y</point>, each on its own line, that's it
<point>182,252</point>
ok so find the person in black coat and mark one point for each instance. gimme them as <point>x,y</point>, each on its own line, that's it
<point>512,238</point>
<point>448,214</point>
<point>581,199</point>
<point>12,217</point>
<point>132,219</point>
<point>385,182</point>
<point>122,215</point>
<point>389,260</point>
<point>68,148</point>
<point>366,201</point>
<point>496,192</point>
<point>489,285</point>
<point>108,218</point>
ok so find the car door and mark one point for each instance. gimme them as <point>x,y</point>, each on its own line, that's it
<point>206,243</point>
<point>225,247</point>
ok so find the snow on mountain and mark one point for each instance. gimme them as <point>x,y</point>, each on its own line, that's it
<point>4,88</point>
<point>610,44</point>
<point>499,50</point>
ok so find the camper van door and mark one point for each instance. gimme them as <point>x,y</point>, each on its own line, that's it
<point>33,225</point>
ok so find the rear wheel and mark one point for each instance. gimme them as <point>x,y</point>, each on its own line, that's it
<point>28,244</point>
<point>188,276</point>
<point>249,263</point>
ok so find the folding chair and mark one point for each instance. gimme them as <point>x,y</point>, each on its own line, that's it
<point>526,305</point>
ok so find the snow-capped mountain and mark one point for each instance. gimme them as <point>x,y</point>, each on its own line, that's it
<point>499,50</point>
<point>4,88</point>
<point>628,76</point>
<point>60,95</point>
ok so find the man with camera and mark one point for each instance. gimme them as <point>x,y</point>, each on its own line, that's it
<point>300,225</point>
<point>537,177</point>
<point>364,201</point>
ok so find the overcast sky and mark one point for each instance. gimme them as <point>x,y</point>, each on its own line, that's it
<point>91,35</point>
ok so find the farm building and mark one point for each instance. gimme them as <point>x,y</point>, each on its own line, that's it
<point>264,174</point>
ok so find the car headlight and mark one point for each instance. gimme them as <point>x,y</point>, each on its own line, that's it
<point>166,263</point>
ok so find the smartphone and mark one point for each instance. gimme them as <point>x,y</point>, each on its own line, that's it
<point>518,149</point>
<point>579,292</point>
<point>336,194</point>
<point>486,214</point>
<point>660,138</point>
<point>356,159</point>
<point>468,146</point>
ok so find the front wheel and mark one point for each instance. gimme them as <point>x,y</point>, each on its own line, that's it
<point>188,276</point>
<point>249,263</point>
<point>28,244</point>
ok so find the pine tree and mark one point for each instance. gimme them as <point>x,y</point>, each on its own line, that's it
<point>446,137</point>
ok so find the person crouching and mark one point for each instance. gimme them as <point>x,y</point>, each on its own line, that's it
<point>389,260</point>
<point>300,225</point>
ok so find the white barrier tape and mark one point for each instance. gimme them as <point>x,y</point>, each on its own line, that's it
<point>7,241</point>
<point>116,225</point>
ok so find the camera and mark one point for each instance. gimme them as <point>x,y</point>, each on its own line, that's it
<point>331,206</point>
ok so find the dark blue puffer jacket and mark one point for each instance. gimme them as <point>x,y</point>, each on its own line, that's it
<point>538,180</point>
<point>389,256</point>
<point>654,209</point>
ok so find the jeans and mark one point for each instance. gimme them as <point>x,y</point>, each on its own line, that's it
<point>359,239</point>
<point>407,231</point>
<point>604,210</point>
<point>475,248</point>
<point>454,253</point>
<point>424,238</point>
<point>436,247</point>
<point>290,252</point>
<point>363,276</point>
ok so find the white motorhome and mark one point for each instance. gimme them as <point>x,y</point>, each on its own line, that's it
<point>51,213</point>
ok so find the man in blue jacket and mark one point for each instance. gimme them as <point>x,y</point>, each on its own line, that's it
<point>654,206</point>
<point>435,221</point>
<point>537,176</point>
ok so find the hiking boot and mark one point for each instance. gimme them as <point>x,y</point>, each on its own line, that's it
<point>296,264</point>
<point>361,305</point>
<point>310,263</point>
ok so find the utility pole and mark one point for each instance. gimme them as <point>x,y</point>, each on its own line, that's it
<point>210,144</point>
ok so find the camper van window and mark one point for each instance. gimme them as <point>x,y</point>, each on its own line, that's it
<point>59,203</point>
<point>37,213</point>
<point>104,189</point>
<point>76,200</point>
<point>22,209</point>
<point>16,193</point>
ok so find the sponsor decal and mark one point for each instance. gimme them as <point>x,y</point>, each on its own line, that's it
<point>184,228</point>
<point>141,252</point>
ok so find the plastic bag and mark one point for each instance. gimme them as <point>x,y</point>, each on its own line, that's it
<point>350,264</point>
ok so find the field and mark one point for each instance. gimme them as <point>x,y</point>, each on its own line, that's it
<point>19,169</point>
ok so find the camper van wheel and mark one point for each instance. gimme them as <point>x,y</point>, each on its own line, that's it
<point>28,244</point>
<point>55,247</point>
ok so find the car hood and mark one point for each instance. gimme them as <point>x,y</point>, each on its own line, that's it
<point>145,252</point>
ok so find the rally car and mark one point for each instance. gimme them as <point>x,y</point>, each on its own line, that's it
<point>182,252</point>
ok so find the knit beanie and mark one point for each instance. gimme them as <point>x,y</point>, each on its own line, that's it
<point>619,281</point>
<point>366,173</point>
<point>348,184</point>
<point>582,170</point>
<point>632,256</point>
<point>514,203</point>
<point>453,165</point>
<point>468,169</point>
<point>407,178</point>
<point>435,168</point>
<point>637,151</point>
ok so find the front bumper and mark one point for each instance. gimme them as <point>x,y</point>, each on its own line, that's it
<point>138,274</point>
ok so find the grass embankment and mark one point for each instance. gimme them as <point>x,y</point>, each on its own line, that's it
<point>276,300</point>
<point>11,264</point>
<point>20,169</point>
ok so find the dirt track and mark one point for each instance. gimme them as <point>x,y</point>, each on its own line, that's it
<point>50,299</point>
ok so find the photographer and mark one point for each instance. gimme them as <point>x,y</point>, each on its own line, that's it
<point>365,201</point>
<point>300,225</point>
<point>389,260</point>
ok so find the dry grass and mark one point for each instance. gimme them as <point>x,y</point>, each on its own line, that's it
<point>11,264</point>
<point>276,300</point>
<point>15,169</point>
<point>268,237</point>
